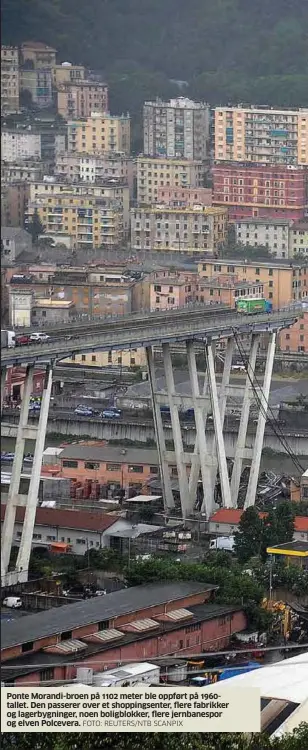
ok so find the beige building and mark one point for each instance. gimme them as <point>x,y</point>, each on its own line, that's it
<point>39,54</point>
<point>27,171</point>
<point>115,190</point>
<point>81,98</point>
<point>195,229</point>
<point>19,144</point>
<point>298,242</point>
<point>268,136</point>
<point>155,174</point>
<point>178,129</point>
<point>283,282</point>
<point>96,167</point>
<point>39,83</point>
<point>127,358</point>
<point>271,233</point>
<point>9,80</point>
<point>67,73</point>
<point>99,132</point>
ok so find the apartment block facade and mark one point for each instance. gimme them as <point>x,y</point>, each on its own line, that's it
<point>19,144</point>
<point>295,339</point>
<point>178,129</point>
<point>67,73</point>
<point>155,174</point>
<point>271,233</point>
<point>114,190</point>
<point>254,190</point>
<point>99,132</point>
<point>80,98</point>
<point>39,54</point>
<point>197,229</point>
<point>167,293</point>
<point>27,171</point>
<point>283,282</point>
<point>128,358</point>
<point>9,80</point>
<point>96,167</point>
<point>187,196</point>
<point>38,82</point>
<point>261,135</point>
<point>299,239</point>
<point>14,201</point>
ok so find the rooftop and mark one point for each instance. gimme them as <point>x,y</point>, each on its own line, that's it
<point>69,519</point>
<point>9,233</point>
<point>266,220</point>
<point>54,303</point>
<point>87,612</point>
<point>278,262</point>
<point>233,516</point>
<point>293,548</point>
<point>285,680</point>
<point>110,453</point>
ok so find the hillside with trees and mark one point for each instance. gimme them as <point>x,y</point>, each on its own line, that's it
<point>227,50</point>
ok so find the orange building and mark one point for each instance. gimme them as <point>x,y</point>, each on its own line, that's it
<point>115,467</point>
<point>226,289</point>
<point>168,291</point>
<point>295,339</point>
<point>184,196</point>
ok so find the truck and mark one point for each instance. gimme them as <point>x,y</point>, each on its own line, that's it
<point>225,543</point>
<point>7,339</point>
<point>253,305</point>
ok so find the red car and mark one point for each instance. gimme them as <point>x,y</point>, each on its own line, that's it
<point>22,339</point>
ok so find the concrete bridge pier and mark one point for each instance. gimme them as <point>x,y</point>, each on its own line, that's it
<point>20,573</point>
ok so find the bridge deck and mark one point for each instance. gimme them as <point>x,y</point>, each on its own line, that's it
<point>131,332</point>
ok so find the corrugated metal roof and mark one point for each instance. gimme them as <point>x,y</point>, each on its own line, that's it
<point>88,611</point>
<point>178,614</point>
<point>141,625</point>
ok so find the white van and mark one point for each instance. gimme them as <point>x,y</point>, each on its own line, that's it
<point>14,602</point>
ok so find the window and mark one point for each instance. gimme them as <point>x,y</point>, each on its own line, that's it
<point>27,647</point>
<point>93,358</point>
<point>83,357</point>
<point>80,541</point>
<point>47,674</point>
<point>51,538</point>
<point>135,469</point>
<point>66,635</point>
<point>113,467</point>
<point>270,271</point>
<point>153,469</point>
<point>70,464</point>
<point>103,625</point>
<point>93,465</point>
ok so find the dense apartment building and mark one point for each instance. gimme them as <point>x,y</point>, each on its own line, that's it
<point>271,233</point>
<point>51,192</point>
<point>9,80</point>
<point>255,190</point>
<point>172,290</point>
<point>295,339</point>
<point>225,289</point>
<point>178,129</point>
<point>261,135</point>
<point>27,171</point>
<point>38,82</point>
<point>185,196</point>
<point>14,201</point>
<point>283,282</point>
<point>80,98</point>
<point>67,72</point>
<point>20,144</point>
<point>38,54</point>
<point>96,167</point>
<point>154,174</point>
<point>99,132</point>
<point>192,229</point>
<point>298,239</point>
<point>128,359</point>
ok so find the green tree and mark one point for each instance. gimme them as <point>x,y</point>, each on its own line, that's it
<point>278,526</point>
<point>248,538</point>
<point>35,226</point>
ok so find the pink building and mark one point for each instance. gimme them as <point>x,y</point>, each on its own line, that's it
<point>188,196</point>
<point>168,291</point>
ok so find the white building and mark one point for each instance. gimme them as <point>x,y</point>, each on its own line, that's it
<point>226,520</point>
<point>9,80</point>
<point>95,167</point>
<point>14,242</point>
<point>20,144</point>
<point>272,233</point>
<point>176,129</point>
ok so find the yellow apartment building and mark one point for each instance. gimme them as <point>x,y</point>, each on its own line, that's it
<point>283,282</point>
<point>67,73</point>
<point>114,190</point>
<point>127,358</point>
<point>194,229</point>
<point>9,80</point>
<point>92,222</point>
<point>156,173</point>
<point>80,98</point>
<point>99,132</point>
<point>268,136</point>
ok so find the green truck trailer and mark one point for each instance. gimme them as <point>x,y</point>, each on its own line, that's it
<point>253,305</point>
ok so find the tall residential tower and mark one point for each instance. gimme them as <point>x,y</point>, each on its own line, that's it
<point>178,129</point>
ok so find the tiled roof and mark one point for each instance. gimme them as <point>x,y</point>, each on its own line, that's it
<point>67,519</point>
<point>233,516</point>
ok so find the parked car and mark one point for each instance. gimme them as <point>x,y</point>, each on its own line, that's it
<point>83,412</point>
<point>39,337</point>
<point>111,414</point>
